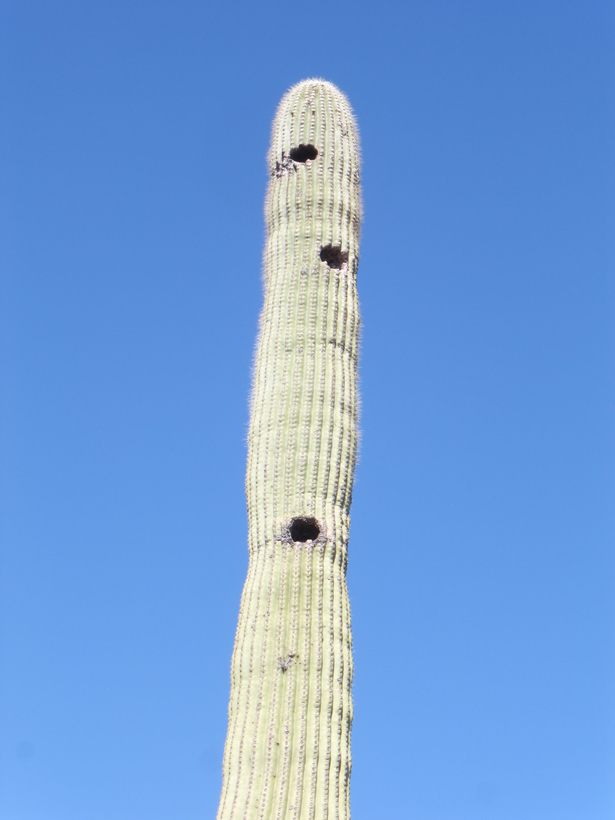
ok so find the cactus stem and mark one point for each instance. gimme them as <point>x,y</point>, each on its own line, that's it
<point>287,750</point>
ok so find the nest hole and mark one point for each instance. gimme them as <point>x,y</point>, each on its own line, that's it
<point>301,153</point>
<point>334,256</point>
<point>304,529</point>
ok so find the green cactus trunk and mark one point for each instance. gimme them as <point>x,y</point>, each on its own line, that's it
<point>287,751</point>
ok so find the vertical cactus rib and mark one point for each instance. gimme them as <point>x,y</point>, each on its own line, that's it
<point>287,752</point>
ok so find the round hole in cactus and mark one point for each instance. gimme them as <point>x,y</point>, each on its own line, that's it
<point>301,153</point>
<point>304,529</point>
<point>334,256</point>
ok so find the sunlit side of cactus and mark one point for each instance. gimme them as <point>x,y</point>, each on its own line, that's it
<point>287,751</point>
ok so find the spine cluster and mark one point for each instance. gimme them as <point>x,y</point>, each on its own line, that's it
<point>287,751</point>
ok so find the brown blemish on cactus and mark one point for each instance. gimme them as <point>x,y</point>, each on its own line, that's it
<point>301,153</point>
<point>334,256</point>
<point>283,166</point>
<point>285,663</point>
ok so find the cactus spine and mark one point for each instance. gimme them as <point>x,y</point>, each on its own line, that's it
<point>287,751</point>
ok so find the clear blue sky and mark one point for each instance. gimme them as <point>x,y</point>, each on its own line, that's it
<point>132,172</point>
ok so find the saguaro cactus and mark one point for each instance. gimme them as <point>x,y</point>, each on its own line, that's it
<point>287,751</point>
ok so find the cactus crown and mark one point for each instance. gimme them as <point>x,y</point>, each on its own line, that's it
<point>314,119</point>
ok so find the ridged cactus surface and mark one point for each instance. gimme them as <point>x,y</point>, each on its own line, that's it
<point>287,751</point>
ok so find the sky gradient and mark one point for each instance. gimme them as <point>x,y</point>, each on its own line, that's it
<point>132,179</point>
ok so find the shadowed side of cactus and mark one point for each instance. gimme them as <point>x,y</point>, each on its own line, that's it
<point>287,751</point>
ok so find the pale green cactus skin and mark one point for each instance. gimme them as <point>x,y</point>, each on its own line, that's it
<point>287,751</point>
